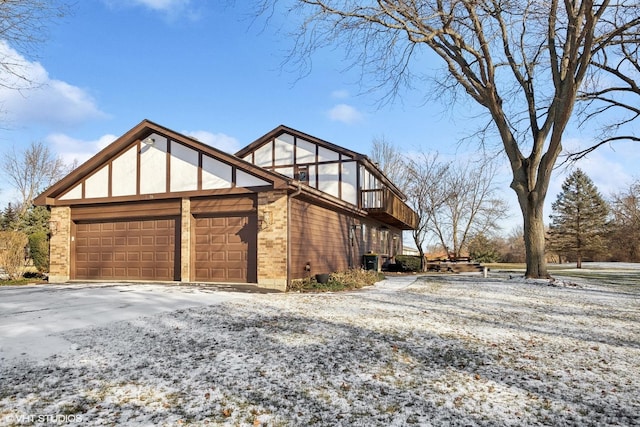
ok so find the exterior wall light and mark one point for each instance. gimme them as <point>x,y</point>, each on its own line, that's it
<point>265,220</point>
<point>53,227</point>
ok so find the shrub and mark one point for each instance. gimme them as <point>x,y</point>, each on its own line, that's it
<point>355,278</point>
<point>339,281</point>
<point>483,249</point>
<point>39,247</point>
<point>409,262</point>
<point>12,255</point>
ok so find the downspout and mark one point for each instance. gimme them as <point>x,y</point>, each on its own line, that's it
<point>295,194</point>
<point>298,191</point>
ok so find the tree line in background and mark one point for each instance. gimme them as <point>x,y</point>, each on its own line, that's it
<point>460,213</point>
<point>24,228</point>
<point>531,68</point>
<point>584,227</point>
<point>458,207</point>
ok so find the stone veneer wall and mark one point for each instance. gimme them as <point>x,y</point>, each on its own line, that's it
<point>272,239</point>
<point>60,244</point>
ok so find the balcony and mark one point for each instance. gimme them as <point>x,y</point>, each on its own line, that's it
<point>386,207</point>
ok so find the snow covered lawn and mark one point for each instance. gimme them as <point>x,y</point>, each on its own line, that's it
<point>440,350</point>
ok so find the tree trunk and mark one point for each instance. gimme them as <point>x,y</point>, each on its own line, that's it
<point>534,236</point>
<point>423,263</point>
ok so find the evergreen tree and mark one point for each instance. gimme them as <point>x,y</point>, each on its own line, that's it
<point>579,219</point>
<point>483,249</point>
<point>9,218</point>
<point>35,219</point>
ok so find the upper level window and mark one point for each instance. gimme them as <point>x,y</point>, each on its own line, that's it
<point>283,150</point>
<point>302,173</point>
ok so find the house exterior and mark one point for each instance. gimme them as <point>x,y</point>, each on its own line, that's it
<point>156,205</point>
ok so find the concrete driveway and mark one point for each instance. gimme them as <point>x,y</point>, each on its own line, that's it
<point>33,318</point>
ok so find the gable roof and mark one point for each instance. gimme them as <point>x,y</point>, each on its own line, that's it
<point>362,158</point>
<point>138,133</point>
<point>285,129</point>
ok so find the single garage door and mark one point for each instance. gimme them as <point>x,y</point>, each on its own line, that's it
<point>225,248</point>
<point>126,250</point>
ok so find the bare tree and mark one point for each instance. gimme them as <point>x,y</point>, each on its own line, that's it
<point>624,241</point>
<point>32,171</point>
<point>523,62</point>
<point>471,206</point>
<point>390,161</point>
<point>424,195</point>
<point>23,24</point>
<point>512,248</point>
<point>617,99</point>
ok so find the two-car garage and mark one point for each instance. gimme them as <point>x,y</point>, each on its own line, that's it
<point>156,205</point>
<point>143,241</point>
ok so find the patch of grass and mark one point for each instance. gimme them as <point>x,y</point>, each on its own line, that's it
<point>72,408</point>
<point>515,266</point>
<point>29,277</point>
<point>23,281</point>
<point>604,277</point>
<point>339,281</point>
<point>505,266</point>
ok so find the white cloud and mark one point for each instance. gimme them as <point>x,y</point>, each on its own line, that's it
<point>609,176</point>
<point>345,113</point>
<point>221,141</point>
<point>29,95</point>
<point>609,167</point>
<point>161,4</point>
<point>170,8</point>
<point>340,94</point>
<point>72,149</point>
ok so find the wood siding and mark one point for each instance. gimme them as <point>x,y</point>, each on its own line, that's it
<point>126,210</point>
<point>321,237</point>
<point>219,205</point>
<point>385,206</point>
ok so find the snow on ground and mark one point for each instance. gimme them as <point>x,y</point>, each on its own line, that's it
<point>32,317</point>
<point>440,350</point>
<point>610,265</point>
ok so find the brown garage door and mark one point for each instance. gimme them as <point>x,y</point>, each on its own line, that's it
<point>126,250</point>
<point>225,249</point>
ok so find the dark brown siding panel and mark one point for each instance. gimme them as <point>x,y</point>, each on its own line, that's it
<point>223,205</point>
<point>126,210</point>
<point>321,237</point>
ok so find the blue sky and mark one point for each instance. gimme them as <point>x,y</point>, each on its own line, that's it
<point>207,71</point>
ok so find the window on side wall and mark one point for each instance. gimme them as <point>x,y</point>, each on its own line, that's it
<point>302,174</point>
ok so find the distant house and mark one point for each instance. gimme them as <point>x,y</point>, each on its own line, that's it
<point>410,251</point>
<point>156,205</point>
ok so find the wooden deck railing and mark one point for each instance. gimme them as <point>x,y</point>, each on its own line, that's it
<point>387,207</point>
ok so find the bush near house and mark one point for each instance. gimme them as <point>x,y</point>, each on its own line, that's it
<point>338,281</point>
<point>12,252</point>
<point>409,262</point>
<point>39,249</point>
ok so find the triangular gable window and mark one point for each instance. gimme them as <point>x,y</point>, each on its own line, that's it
<point>158,165</point>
